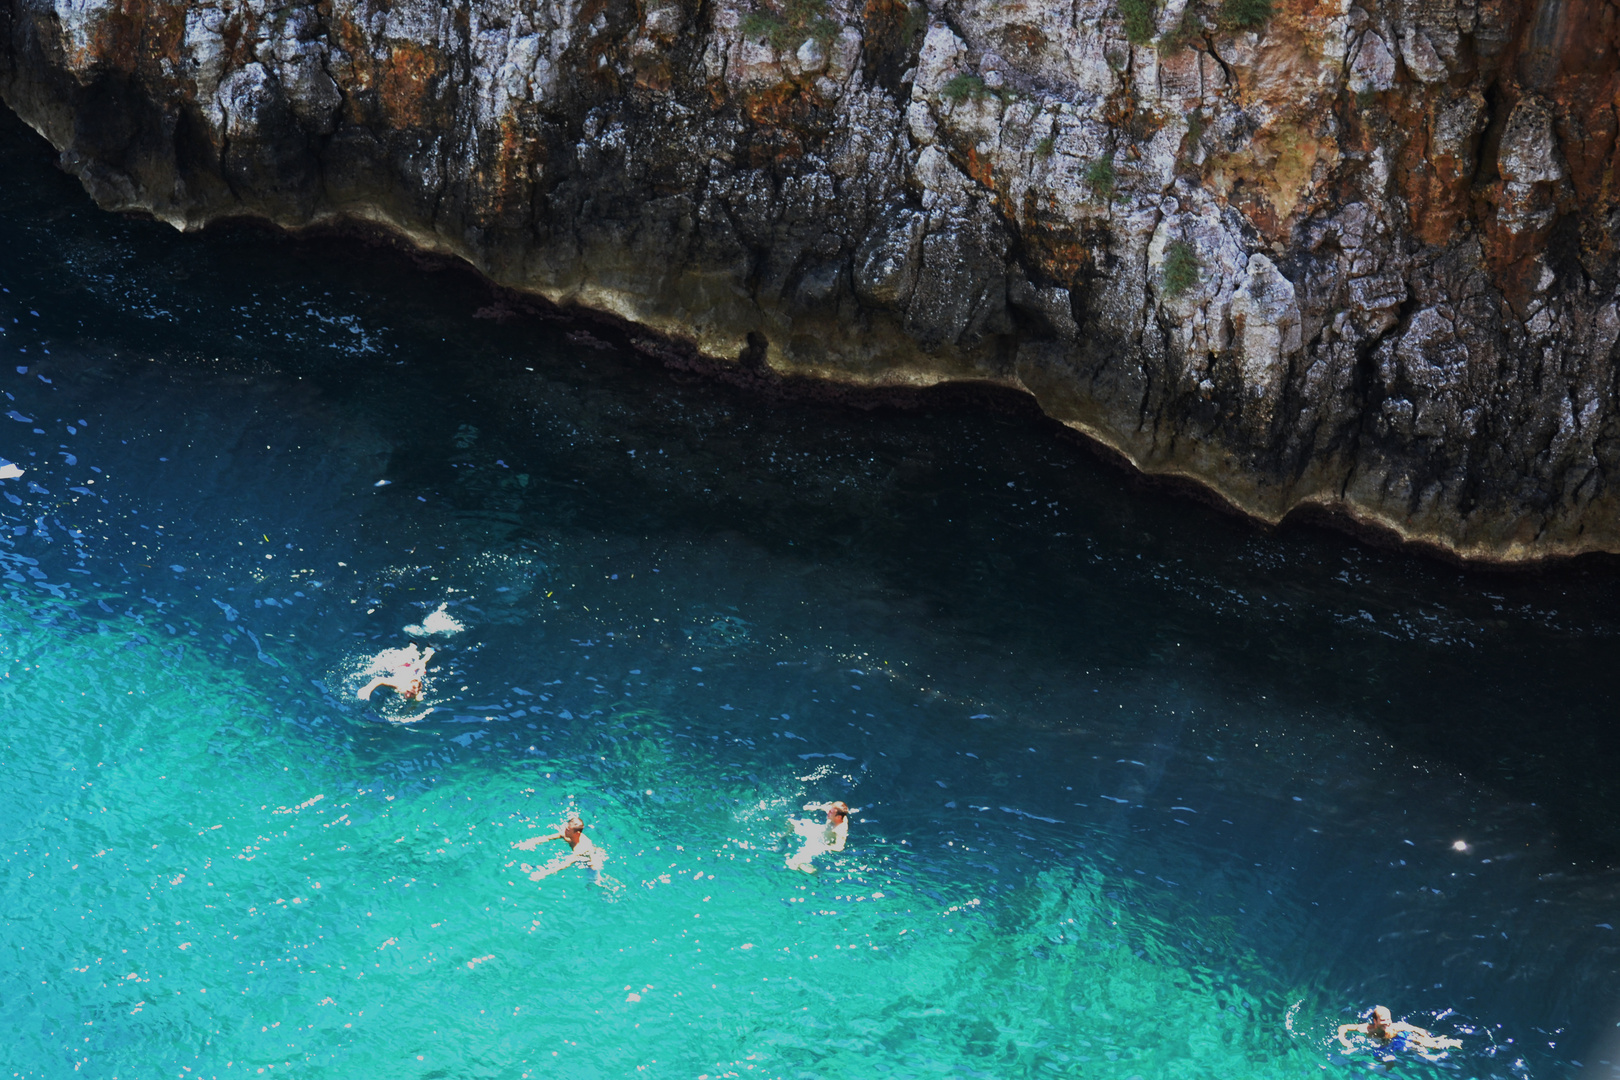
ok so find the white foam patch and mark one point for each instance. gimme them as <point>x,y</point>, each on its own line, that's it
<point>439,622</point>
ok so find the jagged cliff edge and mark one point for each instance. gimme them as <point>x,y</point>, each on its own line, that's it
<point>1358,257</point>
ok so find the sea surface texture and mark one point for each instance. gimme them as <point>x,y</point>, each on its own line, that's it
<point>1140,791</point>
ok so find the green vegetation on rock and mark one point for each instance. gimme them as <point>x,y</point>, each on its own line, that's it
<point>798,21</point>
<point>1245,14</point>
<point>1180,268</point>
<point>1138,18</point>
<point>1102,178</point>
<point>965,86</point>
<point>1045,147</point>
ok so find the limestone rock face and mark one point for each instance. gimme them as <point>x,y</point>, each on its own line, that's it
<point>1356,256</point>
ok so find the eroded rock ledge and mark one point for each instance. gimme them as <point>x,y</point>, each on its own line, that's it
<point>1358,256</point>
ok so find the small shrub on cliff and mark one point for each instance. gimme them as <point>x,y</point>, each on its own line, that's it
<point>1102,178</point>
<point>809,17</point>
<point>823,30</point>
<point>800,19</point>
<point>1045,147</point>
<point>1245,14</point>
<point>965,86</point>
<point>1180,268</point>
<point>767,25</point>
<point>1138,18</point>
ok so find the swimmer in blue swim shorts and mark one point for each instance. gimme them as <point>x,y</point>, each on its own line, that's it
<point>1391,1036</point>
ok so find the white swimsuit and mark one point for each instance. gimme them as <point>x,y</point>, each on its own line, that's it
<point>584,854</point>
<point>819,837</point>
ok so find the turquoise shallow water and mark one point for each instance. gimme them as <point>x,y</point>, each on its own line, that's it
<point>1142,792</point>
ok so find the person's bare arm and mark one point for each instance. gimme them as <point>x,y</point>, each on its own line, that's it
<point>1424,1038</point>
<point>535,841</point>
<point>1345,1029</point>
<point>364,693</point>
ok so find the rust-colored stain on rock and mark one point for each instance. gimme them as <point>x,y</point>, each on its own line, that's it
<point>407,84</point>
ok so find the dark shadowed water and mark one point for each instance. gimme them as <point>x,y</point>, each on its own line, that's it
<point>1142,791</point>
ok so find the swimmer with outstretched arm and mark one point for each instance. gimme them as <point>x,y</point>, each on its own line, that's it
<point>1394,1034</point>
<point>405,677</point>
<point>584,852</point>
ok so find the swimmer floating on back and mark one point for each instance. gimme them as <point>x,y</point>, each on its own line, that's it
<point>400,669</point>
<point>1395,1035</point>
<point>584,852</point>
<point>819,836</point>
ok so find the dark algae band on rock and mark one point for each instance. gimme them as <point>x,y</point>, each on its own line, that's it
<point>1353,257</point>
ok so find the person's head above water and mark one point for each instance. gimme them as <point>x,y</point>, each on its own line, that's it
<point>837,811</point>
<point>573,824</point>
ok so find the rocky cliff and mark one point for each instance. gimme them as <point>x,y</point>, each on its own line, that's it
<point>1309,253</point>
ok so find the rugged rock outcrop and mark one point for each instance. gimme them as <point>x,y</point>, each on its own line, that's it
<point>1357,256</point>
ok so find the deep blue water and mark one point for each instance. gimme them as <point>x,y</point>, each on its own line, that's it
<point>1142,790</point>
